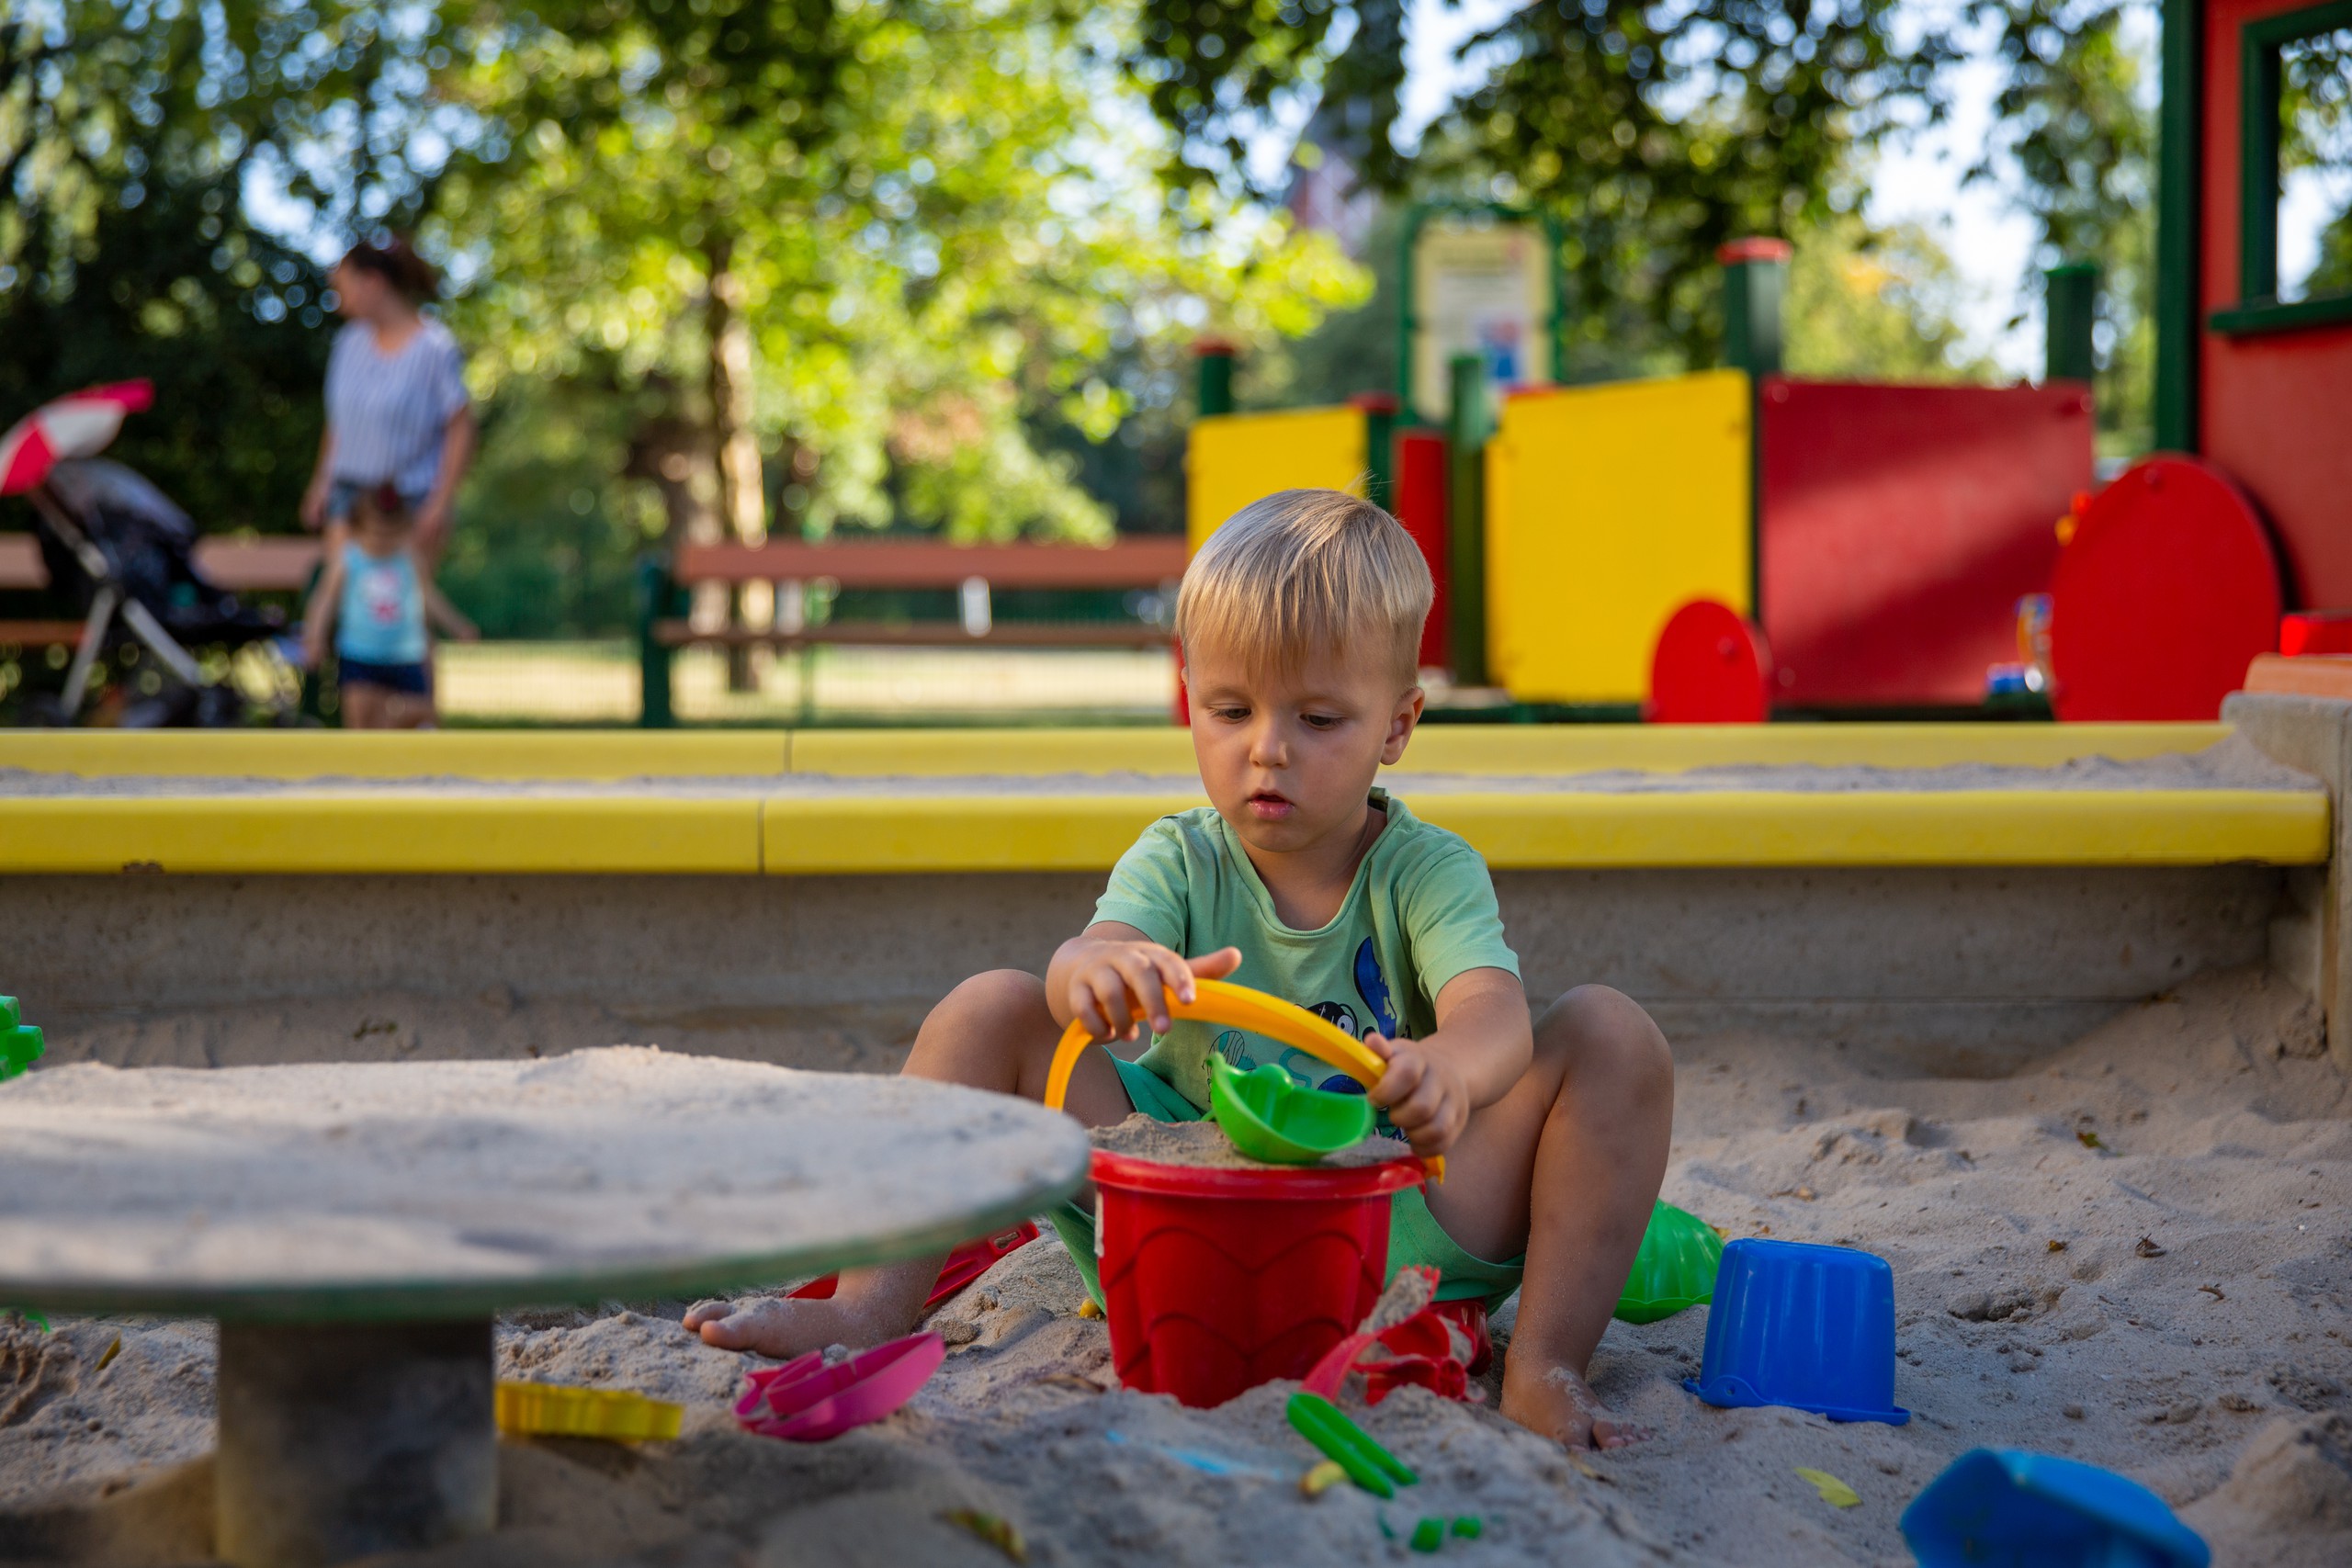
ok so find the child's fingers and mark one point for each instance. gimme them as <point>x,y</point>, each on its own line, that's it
<point>1396,1084</point>
<point>1213,965</point>
<point>1139,973</point>
<point>1380,1046</point>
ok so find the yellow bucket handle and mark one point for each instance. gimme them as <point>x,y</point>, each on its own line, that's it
<point>1221,1001</point>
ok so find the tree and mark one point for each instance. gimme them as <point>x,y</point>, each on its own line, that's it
<point>956,235</point>
<point>2074,115</point>
<point>129,133</point>
<point>1653,134</point>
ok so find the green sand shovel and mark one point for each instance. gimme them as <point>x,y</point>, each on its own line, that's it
<point>1270,1117</point>
<point>1674,1270</point>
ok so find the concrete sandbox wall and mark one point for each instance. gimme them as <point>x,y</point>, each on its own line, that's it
<point>1962,958</point>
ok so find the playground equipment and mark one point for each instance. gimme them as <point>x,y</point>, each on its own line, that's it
<point>1876,542</point>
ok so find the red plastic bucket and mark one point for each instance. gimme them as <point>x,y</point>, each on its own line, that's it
<point>1217,1281</point>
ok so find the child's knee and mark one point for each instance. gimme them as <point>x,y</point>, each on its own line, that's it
<point>1596,1033</point>
<point>997,997</point>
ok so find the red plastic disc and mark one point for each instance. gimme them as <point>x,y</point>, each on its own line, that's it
<point>2165,592</point>
<point>1710,667</point>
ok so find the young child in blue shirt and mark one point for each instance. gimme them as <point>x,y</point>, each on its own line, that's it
<point>375,599</point>
<point>1300,619</point>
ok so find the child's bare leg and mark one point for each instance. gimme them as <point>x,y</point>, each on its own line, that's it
<point>992,1031</point>
<point>363,707</point>
<point>1591,1121</point>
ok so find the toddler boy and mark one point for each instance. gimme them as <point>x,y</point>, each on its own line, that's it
<point>1300,620</point>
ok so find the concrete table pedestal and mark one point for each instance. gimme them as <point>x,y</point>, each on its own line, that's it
<point>354,1228</point>
<point>341,1439</point>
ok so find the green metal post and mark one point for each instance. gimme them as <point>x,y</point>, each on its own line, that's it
<point>2070,306</point>
<point>1215,372</point>
<point>1756,276</point>
<point>1467,427</point>
<point>656,596</point>
<point>1379,410</point>
<point>2180,223</point>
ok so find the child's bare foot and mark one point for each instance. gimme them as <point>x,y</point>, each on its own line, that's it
<point>783,1327</point>
<point>1553,1402</point>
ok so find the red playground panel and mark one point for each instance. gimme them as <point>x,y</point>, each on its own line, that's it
<point>2165,593</point>
<point>1899,527</point>
<point>1420,504</point>
<point>1711,667</point>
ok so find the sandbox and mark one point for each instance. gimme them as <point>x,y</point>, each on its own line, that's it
<point>2000,1003</point>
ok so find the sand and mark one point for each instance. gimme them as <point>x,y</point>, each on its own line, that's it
<point>1204,1145</point>
<point>2212,1363</point>
<point>2231,763</point>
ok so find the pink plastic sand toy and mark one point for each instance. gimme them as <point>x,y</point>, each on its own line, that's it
<point>805,1401</point>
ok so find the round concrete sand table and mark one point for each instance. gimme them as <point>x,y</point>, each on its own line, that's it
<point>354,1227</point>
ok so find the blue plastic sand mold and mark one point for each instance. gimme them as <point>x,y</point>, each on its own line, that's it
<point>2015,1509</point>
<point>1811,1327</point>
<point>20,1043</point>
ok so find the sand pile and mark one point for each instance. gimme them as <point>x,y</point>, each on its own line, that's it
<point>2135,1251</point>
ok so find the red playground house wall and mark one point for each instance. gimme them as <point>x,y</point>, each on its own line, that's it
<point>1899,526</point>
<point>2274,402</point>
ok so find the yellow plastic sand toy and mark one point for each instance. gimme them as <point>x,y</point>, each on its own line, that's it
<point>540,1409</point>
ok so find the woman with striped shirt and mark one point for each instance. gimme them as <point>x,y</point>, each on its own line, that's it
<point>397,410</point>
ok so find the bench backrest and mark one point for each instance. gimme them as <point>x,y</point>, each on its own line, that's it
<point>240,566</point>
<point>1130,563</point>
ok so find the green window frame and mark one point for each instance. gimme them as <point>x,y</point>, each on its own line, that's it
<point>2259,309</point>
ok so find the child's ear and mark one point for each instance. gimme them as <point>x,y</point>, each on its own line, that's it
<point>1401,722</point>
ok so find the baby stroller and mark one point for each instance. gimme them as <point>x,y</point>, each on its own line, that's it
<point>125,554</point>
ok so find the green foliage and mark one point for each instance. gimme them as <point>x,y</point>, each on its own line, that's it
<point>1875,305</point>
<point>547,537</point>
<point>2072,114</point>
<point>970,245</point>
<point>126,251</point>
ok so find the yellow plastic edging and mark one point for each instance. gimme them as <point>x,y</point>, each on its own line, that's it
<point>361,833</point>
<point>1507,749</point>
<point>957,833</point>
<point>386,754</point>
<point>2082,828</point>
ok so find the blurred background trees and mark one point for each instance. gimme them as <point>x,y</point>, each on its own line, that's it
<point>726,267</point>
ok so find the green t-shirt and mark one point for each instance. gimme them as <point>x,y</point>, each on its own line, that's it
<point>1420,911</point>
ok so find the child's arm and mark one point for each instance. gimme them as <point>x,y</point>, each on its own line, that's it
<point>1110,977</point>
<point>318,616</point>
<point>443,613</point>
<point>1485,1043</point>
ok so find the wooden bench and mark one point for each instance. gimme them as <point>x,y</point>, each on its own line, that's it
<point>241,566</point>
<point>975,572</point>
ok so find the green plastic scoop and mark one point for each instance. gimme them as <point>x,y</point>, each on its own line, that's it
<point>1675,1268</point>
<point>1272,1118</point>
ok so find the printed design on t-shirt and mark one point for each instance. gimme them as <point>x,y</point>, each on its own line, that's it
<point>1313,1072</point>
<point>380,598</point>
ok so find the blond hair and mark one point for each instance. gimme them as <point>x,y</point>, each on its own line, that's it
<point>1303,571</point>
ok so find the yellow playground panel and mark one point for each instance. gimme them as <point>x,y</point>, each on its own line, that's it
<point>1608,508</point>
<point>1233,459</point>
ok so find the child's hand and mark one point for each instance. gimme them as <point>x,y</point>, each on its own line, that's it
<point>1117,983</point>
<point>1423,1093</point>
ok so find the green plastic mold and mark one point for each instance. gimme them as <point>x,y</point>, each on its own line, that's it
<point>1272,1118</point>
<point>20,1044</point>
<point>1674,1270</point>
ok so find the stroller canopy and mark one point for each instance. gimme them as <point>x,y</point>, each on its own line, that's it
<point>79,424</point>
